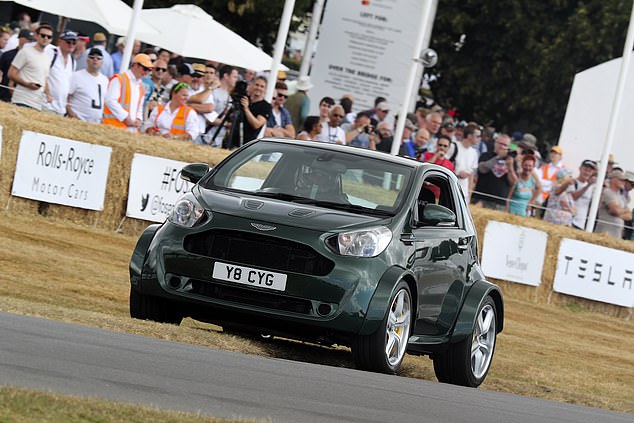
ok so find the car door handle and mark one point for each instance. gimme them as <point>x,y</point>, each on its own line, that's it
<point>408,238</point>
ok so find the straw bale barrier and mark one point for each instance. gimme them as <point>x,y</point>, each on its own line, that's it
<point>14,120</point>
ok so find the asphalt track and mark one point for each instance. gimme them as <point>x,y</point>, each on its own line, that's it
<point>78,360</point>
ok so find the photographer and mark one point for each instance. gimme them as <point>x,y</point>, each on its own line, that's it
<point>496,175</point>
<point>360,133</point>
<point>254,112</point>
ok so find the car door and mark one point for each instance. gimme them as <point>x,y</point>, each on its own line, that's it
<point>442,255</point>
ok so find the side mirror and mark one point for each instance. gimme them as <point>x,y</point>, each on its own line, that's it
<point>194,172</point>
<point>436,215</point>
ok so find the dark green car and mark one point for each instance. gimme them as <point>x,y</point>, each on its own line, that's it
<point>330,244</point>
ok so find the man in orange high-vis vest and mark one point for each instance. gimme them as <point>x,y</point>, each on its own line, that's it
<point>124,99</point>
<point>548,171</point>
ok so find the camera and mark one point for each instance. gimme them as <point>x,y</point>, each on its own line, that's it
<point>368,129</point>
<point>239,91</point>
<point>512,154</point>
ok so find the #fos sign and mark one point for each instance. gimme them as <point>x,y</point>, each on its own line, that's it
<point>155,186</point>
<point>61,171</point>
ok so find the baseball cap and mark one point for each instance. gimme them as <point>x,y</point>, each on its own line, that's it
<point>589,163</point>
<point>120,40</point>
<point>199,69</point>
<point>99,37</point>
<point>409,124</point>
<point>26,33</point>
<point>68,35</point>
<point>383,106</point>
<point>629,176</point>
<point>618,174</point>
<point>185,69</point>
<point>449,126</point>
<point>557,149</point>
<point>95,52</point>
<point>143,60</point>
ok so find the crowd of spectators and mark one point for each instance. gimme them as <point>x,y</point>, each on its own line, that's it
<point>208,103</point>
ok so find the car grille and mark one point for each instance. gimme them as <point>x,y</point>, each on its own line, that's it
<point>250,297</point>
<point>259,250</point>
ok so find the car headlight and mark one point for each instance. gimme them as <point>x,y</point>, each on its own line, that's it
<point>362,243</point>
<point>186,212</point>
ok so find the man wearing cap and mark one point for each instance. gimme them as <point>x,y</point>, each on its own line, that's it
<point>298,104</point>
<point>582,191</point>
<point>548,172</point>
<point>25,36</point>
<point>196,85</point>
<point>99,41</point>
<point>61,72</point>
<point>202,100</point>
<point>29,70</point>
<point>124,99</point>
<point>87,92</point>
<point>613,210</point>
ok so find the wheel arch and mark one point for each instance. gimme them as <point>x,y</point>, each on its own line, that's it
<point>139,253</point>
<point>379,303</point>
<point>466,318</point>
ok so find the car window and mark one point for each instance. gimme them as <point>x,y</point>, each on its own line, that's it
<point>296,172</point>
<point>437,189</point>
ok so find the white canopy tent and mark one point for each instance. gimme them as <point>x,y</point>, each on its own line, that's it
<point>113,15</point>
<point>188,30</point>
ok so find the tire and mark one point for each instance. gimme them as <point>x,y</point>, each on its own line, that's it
<point>146,307</point>
<point>467,362</point>
<point>384,350</point>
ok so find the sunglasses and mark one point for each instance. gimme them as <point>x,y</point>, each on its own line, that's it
<point>160,69</point>
<point>339,116</point>
<point>49,36</point>
<point>93,57</point>
<point>282,95</point>
<point>71,41</point>
<point>145,68</point>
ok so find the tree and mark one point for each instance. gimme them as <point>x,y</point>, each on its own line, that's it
<point>519,57</point>
<point>255,20</point>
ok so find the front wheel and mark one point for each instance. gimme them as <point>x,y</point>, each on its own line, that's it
<point>146,307</point>
<point>384,350</point>
<point>467,362</point>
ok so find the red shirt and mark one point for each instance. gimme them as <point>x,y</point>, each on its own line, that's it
<point>442,162</point>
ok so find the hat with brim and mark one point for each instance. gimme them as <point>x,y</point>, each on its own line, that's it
<point>629,176</point>
<point>589,163</point>
<point>99,37</point>
<point>199,70</point>
<point>143,60</point>
<point>618,174</point>
<point>557,149</point>
<point>303,83</point>
<point>69,35</point>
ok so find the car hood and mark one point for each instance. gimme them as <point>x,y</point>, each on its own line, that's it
<point>283,212</point>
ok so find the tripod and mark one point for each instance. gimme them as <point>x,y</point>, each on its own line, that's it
<point>234,116</point>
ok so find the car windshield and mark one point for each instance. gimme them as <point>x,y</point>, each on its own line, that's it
<point>314,175</point>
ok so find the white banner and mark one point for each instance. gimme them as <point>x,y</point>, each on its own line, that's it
<point>594,272</point>
<point>365,48</point>
<point>61,171</point>
<point>155,186</point>
<point>513,253</point>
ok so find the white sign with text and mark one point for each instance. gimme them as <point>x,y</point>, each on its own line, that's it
<point>155,186</point>
<point>365,48</point>
<point>595,272</point>
<point>513,253</point>
<point>61,171</point>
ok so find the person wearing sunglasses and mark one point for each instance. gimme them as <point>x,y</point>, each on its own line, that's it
<point>174,120</point>
<point>158,87</point>
<point>30,68</point>
<point>439,156</point>
<point>280,123</point>
<point>331,130</point>
<point>61,72</point>
<point>87,91</point>
<point>124,100</point>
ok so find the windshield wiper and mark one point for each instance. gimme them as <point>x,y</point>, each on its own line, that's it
<point>350,207</point>
<point>282,196</point>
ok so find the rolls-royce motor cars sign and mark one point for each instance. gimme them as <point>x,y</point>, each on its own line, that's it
<point>61,171</point>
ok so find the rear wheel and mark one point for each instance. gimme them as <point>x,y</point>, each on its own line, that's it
<point>383,351</point>
<point>467,363</point>
<point>146,307</point>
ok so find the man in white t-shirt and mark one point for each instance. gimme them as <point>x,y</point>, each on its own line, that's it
<point>29,70</point>
<point>583,192</point>
<point>222,95</point>
<point>61,72</point>
<point>88,89</point>
<point>466,161</point>
<point>331,130</point>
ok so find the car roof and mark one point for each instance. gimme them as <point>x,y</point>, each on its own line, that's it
<point>408,161</point>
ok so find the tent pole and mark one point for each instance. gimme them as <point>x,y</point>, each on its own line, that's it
<point>129,39</point>
<point>307,55</point>
<point>280,43</point>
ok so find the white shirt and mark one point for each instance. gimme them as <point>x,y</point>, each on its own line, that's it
<point>582,204</point>
<point>87,94</point>
<point>33,66</point>
<point>136,106</point>
<point>203,118</point>
<point>466,161</point>
<point>221,99</point>
<point>59,82</point>
<point>165,119</point>
<point>331,135</point>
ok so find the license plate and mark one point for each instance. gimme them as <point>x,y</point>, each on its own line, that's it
<point>249,276</point>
